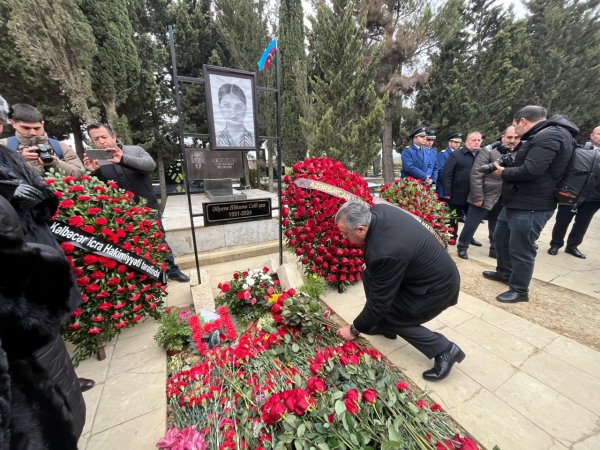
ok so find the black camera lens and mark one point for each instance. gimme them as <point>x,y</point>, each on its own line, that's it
<point>45,153</point>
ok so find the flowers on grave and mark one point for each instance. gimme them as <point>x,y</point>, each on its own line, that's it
<point>249,294</point>
<point>278,386</point>
<point>208,334</point>
<point>309,225</point>
<point>186,438</point>
<point>115,294</point>
<point>413,196</point>
<point>173,331</point>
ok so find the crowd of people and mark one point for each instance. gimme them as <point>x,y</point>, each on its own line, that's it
<point>512,183</point>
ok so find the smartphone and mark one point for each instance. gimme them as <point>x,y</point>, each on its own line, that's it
<point>98,154</point>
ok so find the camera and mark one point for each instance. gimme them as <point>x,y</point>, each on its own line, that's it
<point>45,153</point>
<point>506,160</point>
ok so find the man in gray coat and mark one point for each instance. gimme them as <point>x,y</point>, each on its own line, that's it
<point>484,196</point>
<point>408,278</point>
<point>129,168</point>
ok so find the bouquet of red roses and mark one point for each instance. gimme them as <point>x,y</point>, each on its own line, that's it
<point>308,220</point>
<point>117,253</point>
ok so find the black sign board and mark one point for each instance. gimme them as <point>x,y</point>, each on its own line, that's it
<point>212,164</point>
<point>219,213</point>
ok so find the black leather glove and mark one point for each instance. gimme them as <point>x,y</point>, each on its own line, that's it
<point>26,196</point>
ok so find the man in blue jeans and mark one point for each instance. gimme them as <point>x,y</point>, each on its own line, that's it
<point>528,196</point>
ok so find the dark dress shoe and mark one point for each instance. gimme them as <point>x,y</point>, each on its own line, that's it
<point>444,362</point>
<point>492,254</point>
<point>535,246</point>
<point>475,243</point>
<point>553,251</point>
<point>178,275</point>
<point>575,252</point>
<point>85,384</point>
<point>492,275</point>
<point>383,332</point>
<point>512,297</point>
<point>463,254</point>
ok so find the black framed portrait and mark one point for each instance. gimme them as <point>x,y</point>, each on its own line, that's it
<point>232,111</point>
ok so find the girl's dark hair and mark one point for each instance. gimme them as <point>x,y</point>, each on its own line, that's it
<point>233,89</point>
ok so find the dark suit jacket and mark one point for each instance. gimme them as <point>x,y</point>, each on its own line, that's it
<point>410,278</point>
<point>457,173</point>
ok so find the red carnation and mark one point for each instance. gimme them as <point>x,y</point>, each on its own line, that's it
<point>76,188</point>
<point>66,204</point>
<point>90,260</point>
<point>95,331</point>
<point>101,221</point>
<point>76,221</point>
<point>67,248</point>
<point>94,210</point>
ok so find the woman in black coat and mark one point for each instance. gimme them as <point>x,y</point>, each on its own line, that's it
<point>45,408</point>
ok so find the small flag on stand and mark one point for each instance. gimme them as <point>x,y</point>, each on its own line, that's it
<point>267,57</point>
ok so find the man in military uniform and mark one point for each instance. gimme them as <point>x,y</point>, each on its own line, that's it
<point>454,142</point>
<point>429,141</point>
<point>415,158</point>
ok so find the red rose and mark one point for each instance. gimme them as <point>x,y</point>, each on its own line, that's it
<point>95,331</point>
<point>82,281</point>
<point>225,287</point>
<point>370,395</point>
<point>105,306</point>
<point>49,181</point>
<point>316,385</point>
<point>91,288</point>
<point>351,395</point>
<point>77,312</point>
<point>276,308</point>
<point>74,326</point>
<point>98,319</point>
<point>351,406</point>
<point>97,275</point>
<point>401,385</point>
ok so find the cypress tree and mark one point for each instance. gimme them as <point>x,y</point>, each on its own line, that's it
<point>116,65</point>
<point>293,80</point>
<point>347,115</point>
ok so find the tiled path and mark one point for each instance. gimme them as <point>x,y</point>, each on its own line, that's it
<point>520,387</point>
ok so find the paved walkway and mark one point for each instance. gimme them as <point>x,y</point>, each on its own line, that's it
<point>520,387</point>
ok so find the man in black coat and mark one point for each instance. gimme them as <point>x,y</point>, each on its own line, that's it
<point>584,212</point>
<point>456,178</point>
<point>408,278</point>
<point>528,196</point>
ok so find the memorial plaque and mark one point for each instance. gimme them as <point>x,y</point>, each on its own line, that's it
<point>219,213</point>
<point>203,164</point>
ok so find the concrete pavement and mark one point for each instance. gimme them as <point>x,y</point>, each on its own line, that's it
<point>520,387</point>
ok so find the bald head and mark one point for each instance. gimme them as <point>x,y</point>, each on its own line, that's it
<point>510,138</point>
<point>595,137</point>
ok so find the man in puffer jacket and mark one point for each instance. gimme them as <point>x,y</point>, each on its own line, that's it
<point>528,196</point>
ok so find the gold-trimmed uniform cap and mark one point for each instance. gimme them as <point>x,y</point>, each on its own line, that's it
<point>456,137</point>
<point>419,131</point>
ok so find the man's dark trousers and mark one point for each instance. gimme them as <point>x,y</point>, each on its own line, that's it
<point>423,339</point>
<point>515,236</point>
<point>583,218</point>
<point>474,217</point>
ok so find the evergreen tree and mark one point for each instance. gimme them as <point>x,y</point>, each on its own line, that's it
<point>347,115</point>
<point>116,64</point>
<point>56,37</point>
<point>563,39</point>
<point>293,80</point>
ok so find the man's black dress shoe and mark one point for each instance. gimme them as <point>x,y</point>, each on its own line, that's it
<point>475,243</point>
<point>444,362</point>
<point>462,254</point>
<point>85,384</point>
<point>383,332</point>
<point>575,252</point>
<point>491,275</point>
<point>553,251</point>
<point>512,297</point>
<point>492,253</point>
<point>178,275</point>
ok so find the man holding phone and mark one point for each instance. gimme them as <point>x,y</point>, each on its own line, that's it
<point>129,167</point>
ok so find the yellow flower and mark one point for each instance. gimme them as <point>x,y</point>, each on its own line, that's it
<point>273,298</point>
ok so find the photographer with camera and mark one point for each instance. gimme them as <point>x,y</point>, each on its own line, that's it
<point>528,196</point>
<point>35,147</point>
<point>486,187</point>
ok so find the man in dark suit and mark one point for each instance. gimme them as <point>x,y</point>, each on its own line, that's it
<point>457,173</point>
<point>408,278</point>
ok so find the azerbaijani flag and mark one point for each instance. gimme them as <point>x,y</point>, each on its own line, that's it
<point>267,56</point>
